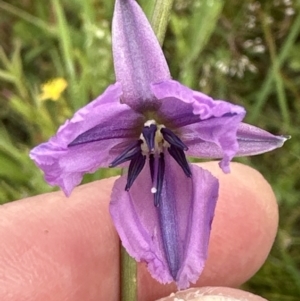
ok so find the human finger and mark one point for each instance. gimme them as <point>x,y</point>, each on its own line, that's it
<point>59,248</point>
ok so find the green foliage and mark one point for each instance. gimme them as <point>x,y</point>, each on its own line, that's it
<point>243,51</point>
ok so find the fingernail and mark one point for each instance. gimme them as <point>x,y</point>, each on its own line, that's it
<point>212,294</point>
<point>199,298</point>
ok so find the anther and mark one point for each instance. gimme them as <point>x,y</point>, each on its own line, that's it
<point>128,154</point>
<point>148,133</point>
<point>135,167</point>
<point>179,156</point>
<point>172,139</point>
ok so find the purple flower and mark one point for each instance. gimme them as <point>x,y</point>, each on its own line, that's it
<point>164,206</point>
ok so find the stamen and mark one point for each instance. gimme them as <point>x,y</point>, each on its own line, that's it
<point>160,179</point>
<point>135,167</point>
<point>179,156</point>
<point>148,133</point>
<point>128,154</point>
<point>172,139</point>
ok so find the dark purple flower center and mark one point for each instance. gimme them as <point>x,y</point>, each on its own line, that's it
<point>153,142</point>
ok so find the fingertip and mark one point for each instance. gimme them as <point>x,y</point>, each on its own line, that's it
<point>244,227</point>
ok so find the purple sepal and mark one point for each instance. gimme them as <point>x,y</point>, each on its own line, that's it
<point>138,57</point>
<point>253,140</point>
<point>65,165</point>
<point>137,221</point>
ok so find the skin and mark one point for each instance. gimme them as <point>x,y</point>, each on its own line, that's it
<point>56,248</point>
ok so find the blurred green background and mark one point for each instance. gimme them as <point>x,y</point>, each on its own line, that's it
<point>247,52</point>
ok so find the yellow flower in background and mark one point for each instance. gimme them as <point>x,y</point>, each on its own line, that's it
<point>53,89</point>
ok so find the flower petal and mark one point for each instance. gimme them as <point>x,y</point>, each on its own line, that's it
<point>135,218</point>
<point>215,134</point>
<point>253,140</point>
<point>217,120</point>
<point>205,195</point>
<point>176,109</point>
<point>202,104</point>
<point>186,209</point>
<point>138,57</point>
<point>101,126</point>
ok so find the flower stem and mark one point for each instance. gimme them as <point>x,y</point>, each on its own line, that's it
<point>128,277</point>
<point>160,18</point>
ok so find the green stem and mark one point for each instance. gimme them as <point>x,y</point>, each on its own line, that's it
<point>160,18</point>
<point>128,277</point>
<point>276,69</point>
